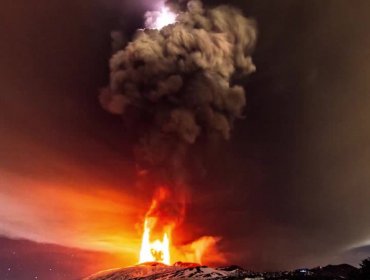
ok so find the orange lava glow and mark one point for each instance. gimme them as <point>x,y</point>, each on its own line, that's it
<point>165,213</point>
<point>155,246</point>
<point>157,250</point>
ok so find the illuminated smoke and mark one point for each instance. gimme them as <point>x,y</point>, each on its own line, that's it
<point>159,19</point>
<point>175,84</point>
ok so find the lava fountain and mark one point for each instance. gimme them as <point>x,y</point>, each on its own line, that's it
<point>157,250</point>
<point>159,222</point>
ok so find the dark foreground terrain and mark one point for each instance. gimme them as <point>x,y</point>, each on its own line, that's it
<point>153,271</point>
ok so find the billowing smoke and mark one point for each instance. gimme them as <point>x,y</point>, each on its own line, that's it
<point>175,86</point>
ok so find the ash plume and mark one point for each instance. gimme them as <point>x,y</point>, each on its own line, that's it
<point>175,86</point>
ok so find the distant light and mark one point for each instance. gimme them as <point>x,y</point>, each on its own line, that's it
<point>160,19</point>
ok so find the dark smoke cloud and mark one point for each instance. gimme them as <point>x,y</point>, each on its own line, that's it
<point>176,85</point>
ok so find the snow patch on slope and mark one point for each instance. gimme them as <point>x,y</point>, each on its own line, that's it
<point>155,271</point>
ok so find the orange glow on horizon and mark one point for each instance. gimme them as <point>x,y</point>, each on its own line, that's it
<point>98,219</point>
<point>102,220</point>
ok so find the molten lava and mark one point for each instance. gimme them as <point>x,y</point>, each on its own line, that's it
<point>166,212</point>
<point>158,224</point>
<point>157,250</point>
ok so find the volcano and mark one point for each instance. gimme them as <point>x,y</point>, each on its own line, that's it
<point>154,270</point>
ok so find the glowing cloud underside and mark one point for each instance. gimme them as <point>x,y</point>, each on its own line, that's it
<point>160,19</point>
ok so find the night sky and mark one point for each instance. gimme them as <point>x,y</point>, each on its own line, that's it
<point>290,189</point>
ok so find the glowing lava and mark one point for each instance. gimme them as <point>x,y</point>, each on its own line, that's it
<point>166,213</point>
<point>158,225</point>
<point>157,250</point>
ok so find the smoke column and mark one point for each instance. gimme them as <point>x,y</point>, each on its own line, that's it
<point>174,87</point>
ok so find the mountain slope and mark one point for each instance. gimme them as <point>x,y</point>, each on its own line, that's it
<point>151,271</point>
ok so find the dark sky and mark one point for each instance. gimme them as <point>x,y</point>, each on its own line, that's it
<point>291,188</point>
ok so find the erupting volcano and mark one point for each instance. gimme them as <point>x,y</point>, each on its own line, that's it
<point>175,88</point>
